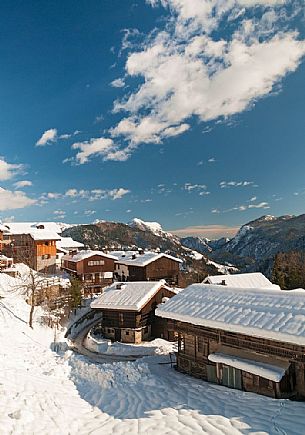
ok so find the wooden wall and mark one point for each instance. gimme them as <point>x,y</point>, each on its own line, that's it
<point>195,343</point>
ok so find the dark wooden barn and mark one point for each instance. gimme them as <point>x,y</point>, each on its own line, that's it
<point>128,310</point>
<point>249,339</point>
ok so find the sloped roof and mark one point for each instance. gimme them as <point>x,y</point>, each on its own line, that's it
<point>68,242</point>
<point>82,255</point>
<point>242,280</point>
<point>140,260</point>
<point>44,235</point>
<point>27,227</point>
<point>131,296</point>
<point>271,314</point>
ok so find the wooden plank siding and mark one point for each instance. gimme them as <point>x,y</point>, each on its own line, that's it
<point>133,320</point>
<point>195,343</point>
<point>91,275</point>
<point>162,268</point>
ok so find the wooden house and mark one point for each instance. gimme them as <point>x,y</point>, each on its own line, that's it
<point>129,309</point>
<point>5,237</point>
<point>5,262</point>
<point>64,246</point>
<point>249,339</point>
<point>94,268</point>
<point>241,280</point>
<point>146,266</point>
<point>36,248</point>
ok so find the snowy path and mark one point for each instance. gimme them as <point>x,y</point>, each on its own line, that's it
<point>43,393</point>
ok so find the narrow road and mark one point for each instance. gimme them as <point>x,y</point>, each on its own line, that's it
<point>77,339</point>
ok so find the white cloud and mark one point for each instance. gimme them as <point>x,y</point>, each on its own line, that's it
<point>53,195</point>
<point>201,189</point>
<point>47,137</point>
<point>9,170</point>
<point>260,205</point>
<point>60,214</point>
<point>94,147</point>
<point>97,194</point>
<point>228,184</point>
<point>263,205</point>
<point>212,160</point>
<point>68,135</point>
<point>10,200</point>
<point>118,83</point>
<point>23,183</point>
<point>188,72</point>
<point>118,193</point>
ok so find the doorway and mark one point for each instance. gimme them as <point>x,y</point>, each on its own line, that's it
<point>117,334</point>
<point>231,377</point>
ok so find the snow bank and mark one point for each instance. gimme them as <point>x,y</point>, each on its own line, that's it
<point>105,346</point>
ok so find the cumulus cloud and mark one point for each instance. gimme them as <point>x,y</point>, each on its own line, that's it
<point>9,170</point>
<point>192,68</point>
<point>47,137</point>
<point>23,183</point>
<point>10,200</point>
<point>93,147</point>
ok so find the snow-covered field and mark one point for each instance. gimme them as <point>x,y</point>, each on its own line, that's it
<point>42,392</point>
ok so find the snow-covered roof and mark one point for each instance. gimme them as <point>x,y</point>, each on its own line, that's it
<point>242,280</point>
<point>267,371</point>
<point>3,228</point>
<point>271,314</point>
<point>82,255</point>
<point>44,235</point>
<point>134,258</point>
<point>68,242</point>
<point>128,295</point>
<point>27,227</point>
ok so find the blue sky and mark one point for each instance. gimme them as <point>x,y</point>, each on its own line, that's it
<point>163,110</point>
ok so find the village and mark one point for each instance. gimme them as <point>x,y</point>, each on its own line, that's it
<point>238,331</point>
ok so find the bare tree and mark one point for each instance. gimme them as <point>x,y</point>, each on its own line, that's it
<point>34,285</point>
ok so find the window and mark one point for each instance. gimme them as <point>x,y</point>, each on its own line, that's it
<point>96,263</point>
<point>181,343</point>
<point>126,332</point>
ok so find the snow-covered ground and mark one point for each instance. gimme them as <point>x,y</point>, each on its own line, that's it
<point>155,347</point>
<point>42,392</point>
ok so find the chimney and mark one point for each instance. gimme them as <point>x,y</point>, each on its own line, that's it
<point>133,257</point>
<point>223,282</point>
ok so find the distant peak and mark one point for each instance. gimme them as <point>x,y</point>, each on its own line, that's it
<point>154,227</point>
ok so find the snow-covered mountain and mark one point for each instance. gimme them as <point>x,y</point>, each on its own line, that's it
<point>202,244</point>
<point>264,237</point>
